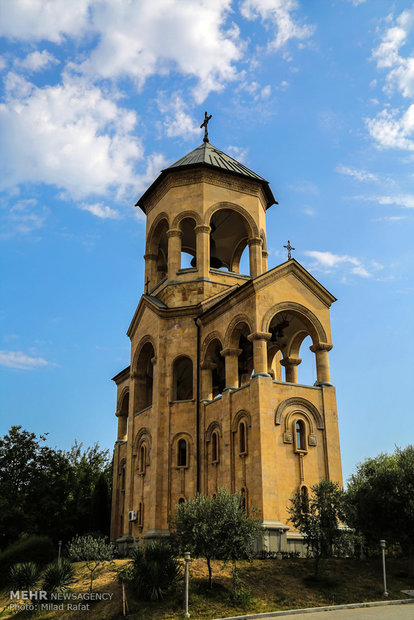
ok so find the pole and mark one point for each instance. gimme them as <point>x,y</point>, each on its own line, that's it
<point>382,545</point>
<point>187,562</point>
<point>60,551</point>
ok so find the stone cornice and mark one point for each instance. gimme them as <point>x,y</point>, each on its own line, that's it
<point>166,313</point>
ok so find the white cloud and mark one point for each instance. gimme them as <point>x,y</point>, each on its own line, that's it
<point>177,122</point>
<point>37,61</point>
<point>3,63</point>
<point>391,218</point>
<point>17,359</point>
<point>25,216</point>
<point>43,19</point>
<point>238,153</point>
<point>399,200</point>
<point>74,137</point>
<point>356,2</point>
<point>359,175</point>
<point>280,14</point>
<point>327,261</point>
<point>100,210</point>
<point>393,131</point>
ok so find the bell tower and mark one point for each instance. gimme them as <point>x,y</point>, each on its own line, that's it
<point>211,397</point>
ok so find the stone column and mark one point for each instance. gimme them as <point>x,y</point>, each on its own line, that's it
<point>174,252</point>
<point>259,340</point>
<point>232,367</point>
<point>255,256</point>
<point>122,426</point>
<point>322,362</point>
<point>265,255</point>
<point>150,270</point>
<point>203,249</point>
<point>291,365</point>
<point>207,368</point>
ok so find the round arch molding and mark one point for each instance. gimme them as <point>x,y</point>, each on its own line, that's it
<point>207,341</point>
<point>214,426</point>
<point>241,415</point>
<point>303,406</point>
<point>316,330</point>
<point>193,215</point>
<point>150,236</point>
<point>239,318</point>
<point>231,206</point>
<point>138,350</point>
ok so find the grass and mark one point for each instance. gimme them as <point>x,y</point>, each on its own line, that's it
<point>273,585</point>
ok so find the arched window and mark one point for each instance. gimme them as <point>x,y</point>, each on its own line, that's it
<point>142,458</point>
<point>144,379</point>
<point>300,436</point>
<point>123,475</point>
<point>182,453</point>
<point>242,438</point>
<point>182,379</point>
<point>304,495</point>
<point>215,455</point>
<point>181,500</point>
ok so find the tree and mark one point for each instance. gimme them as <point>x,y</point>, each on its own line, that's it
<point>94,552</point>
<point>215,527</point>
<point>380,500</point>
<point>318,518</point>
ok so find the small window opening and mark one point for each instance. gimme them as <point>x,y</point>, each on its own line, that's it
<point>140,517</point>
<point>142,459</point>
<point>182,453</point>
<point>181,500</point>
<point>243,499</point>
<point>123,473</point>
<point>300,435</point>
<point>243,438</point>
<point>304,495</point>
<point>214,448</point>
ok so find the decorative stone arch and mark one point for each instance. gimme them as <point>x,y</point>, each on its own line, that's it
<point>214,426</point>
<point>124,392</point>
<point>142,440</point>
<point>316,330</point>
<point>239,318</point>
<point>219,206</point>
<point>154,226</point>
<point>293,347</point>
<point>299,405</point>
<point>142,435</point>
<point>241,415</point>
<point>138,350</point>
<point>208,340</point>
<point>174,447</point>
<point>186,215</point>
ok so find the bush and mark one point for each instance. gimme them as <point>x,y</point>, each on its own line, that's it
<point>58,576</point>
<point>156,571</point>
<point>23,576</point>
<point>37,549</point>
<point>93,551</point>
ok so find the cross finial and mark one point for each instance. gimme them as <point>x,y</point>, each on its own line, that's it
<point>204,124</point>
<point>289,249</point>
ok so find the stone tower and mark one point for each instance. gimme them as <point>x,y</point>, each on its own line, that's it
<point>211,397</point>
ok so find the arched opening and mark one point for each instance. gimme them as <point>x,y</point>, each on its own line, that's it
<point>181,500</point>
<point>123,419</point>
<point>215,454</point>
<point>188,243</point>
<point>182,379</point>
<point>158,248</point>
<point>245,359</point>
<point>228,238</point>
<point>242,438</point>
<point>123,477</point>
<point>300,436</point>
<point>289,330</point>
<point>214,367</point>
<point>142,458</point>
<point>182,453</point>
<point>144,378</point>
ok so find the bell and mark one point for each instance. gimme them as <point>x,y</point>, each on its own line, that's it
<point>215,261</point>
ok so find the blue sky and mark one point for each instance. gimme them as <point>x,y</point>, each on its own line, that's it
<point>99,95</point>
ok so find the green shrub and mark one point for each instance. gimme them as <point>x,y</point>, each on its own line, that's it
<point>94,552</point>
<point>23,576</point>
<point>37,549</point>
<point>156,571</point>
<point>58,576</point>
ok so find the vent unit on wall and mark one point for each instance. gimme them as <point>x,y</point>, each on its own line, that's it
<point>132,515</point>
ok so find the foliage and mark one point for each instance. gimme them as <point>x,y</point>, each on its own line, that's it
<point>155,570</point>
<point>28,549</point>
<point>216,527</point>
<point>58,576</point>
<point>94,552</point>
<point>380,499</point>
<point>319,518</point>
<point>73,487</point>
<point>23,576</point>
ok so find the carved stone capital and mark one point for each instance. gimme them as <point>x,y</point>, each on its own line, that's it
<point>174,232</point>
<point>259,336</point>
<point>321,346</point>
<point>287,437</point>
<point>231,352</point>
<point>208,365</point>
<point>202,228</point>
<point>290,361</point>
<point>150,257</point>
<point>255,241</point>
<point>265,253</point>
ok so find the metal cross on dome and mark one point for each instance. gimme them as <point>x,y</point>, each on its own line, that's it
<point>289,249</point>
<point>204,124</point>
